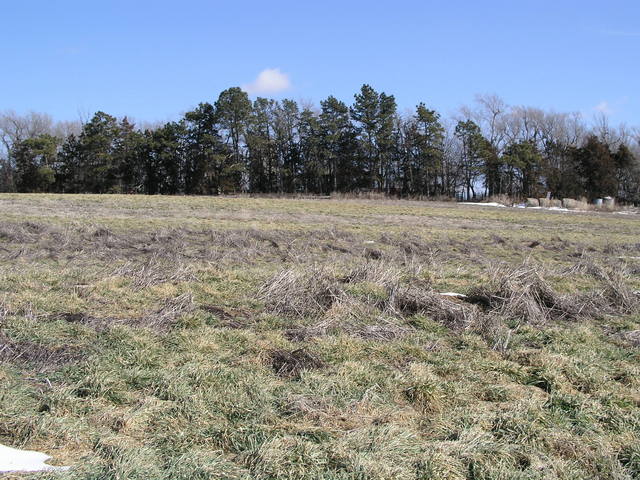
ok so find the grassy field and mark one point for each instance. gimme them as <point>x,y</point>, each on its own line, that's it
<point>237,338</point>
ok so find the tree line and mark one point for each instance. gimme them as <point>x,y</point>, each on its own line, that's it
<point>269,146</point>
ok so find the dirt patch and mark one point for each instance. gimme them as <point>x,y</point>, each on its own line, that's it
<point>290,364</point>
<point>39,357</point>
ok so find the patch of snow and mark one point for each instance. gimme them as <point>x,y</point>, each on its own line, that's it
<point>485,204</point>
<point>556,209</point>
<point>14,460</point>
<point>369,241</point>
<point>453,294</point>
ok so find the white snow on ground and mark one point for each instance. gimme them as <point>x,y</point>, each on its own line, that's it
<point>453,294</point>
<point>494,204</point>
<point>557,209</point>
<point>485,204</point>
<point>14,460</point>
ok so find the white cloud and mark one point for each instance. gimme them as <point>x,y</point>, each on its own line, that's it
<point>269,80</point>
<point>604,107</point>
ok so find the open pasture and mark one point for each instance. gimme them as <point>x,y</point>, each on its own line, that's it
<point>149,337</point>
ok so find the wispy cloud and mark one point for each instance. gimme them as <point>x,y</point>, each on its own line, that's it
<point>604,107</point>
<point>269,80</point>
<point>610,107</point>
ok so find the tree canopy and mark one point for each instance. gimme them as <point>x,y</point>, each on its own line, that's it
<point>270,146</point>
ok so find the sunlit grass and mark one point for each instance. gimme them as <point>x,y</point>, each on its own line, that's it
<point>138,337</point>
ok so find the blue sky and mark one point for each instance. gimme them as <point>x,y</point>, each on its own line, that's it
<point>153,60</point>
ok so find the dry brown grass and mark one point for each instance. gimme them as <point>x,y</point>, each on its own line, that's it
<point>162,318</point>
<point>449,311</point>
<point>614,295</point>
<point>243,338</point>
<point>522,293</point>
<point>633,337</point>
<point>354,318</point>
<point>154,271</point>
<point>300,292</point>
